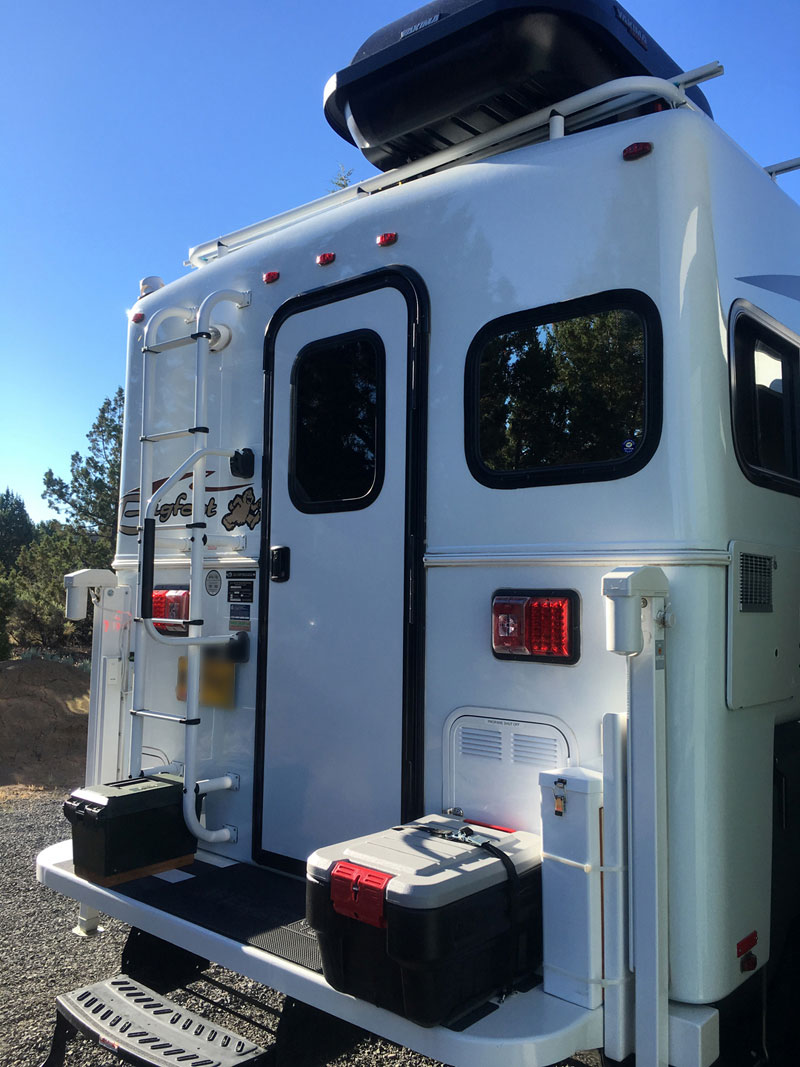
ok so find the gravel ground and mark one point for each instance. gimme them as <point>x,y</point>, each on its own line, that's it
<point>40,957</point>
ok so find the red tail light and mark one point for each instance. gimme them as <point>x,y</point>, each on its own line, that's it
<point>171,610</point>
<point>549,626</point>
<point>536,625</point>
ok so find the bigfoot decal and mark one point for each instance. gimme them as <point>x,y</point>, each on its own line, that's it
<point>243,510</point>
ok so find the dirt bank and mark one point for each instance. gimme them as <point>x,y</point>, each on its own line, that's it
<point>44,709</point>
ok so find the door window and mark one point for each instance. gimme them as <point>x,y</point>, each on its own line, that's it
<point>338,423</point>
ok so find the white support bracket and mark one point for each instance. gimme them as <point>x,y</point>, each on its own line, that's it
<point>636,601</point>
<point>77,585</point>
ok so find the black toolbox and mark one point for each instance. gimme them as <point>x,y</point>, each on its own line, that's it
<point>429,920</point>
<point>126,829</point>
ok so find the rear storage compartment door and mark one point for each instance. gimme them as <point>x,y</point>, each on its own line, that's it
<point>336,614</point>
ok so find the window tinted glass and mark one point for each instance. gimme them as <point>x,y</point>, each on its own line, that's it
<point>564,393</point>
<point>337,433</point>
<point>766,403</point>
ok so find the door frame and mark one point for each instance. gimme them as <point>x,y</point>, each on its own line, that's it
<point>412,288</point>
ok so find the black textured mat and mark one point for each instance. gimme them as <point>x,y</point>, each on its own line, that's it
<point>247,904</point>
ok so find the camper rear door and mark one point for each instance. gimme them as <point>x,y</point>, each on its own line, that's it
<point>333,707</point>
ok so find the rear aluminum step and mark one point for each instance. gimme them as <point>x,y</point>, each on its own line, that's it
<point>143,1027</point>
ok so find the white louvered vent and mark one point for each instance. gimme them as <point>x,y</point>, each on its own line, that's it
<point>492,764</point>
<point>542,752</point>
<point>486,743</point>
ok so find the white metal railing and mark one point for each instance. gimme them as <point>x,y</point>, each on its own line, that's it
<point>774,169</point>
<point>603,101</point>
<point>203,336</point>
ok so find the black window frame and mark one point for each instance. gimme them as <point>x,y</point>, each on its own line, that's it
<point>610,300</point>
<point>296,492</point>
<point>746,325</point>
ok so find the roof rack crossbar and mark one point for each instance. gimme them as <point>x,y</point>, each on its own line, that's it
<point>614,97</point>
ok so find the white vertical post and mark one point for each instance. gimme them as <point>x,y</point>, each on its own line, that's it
<point>648,812</point>
<point>635,629</point>
<point>88,921</point>
<point>618,1015</point>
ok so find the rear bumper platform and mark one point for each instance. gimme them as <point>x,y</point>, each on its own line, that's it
<point>252,921</point>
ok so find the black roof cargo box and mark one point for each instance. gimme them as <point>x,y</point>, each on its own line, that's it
<point>454,68</point>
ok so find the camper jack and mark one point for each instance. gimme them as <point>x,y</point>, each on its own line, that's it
<point>446,675</point>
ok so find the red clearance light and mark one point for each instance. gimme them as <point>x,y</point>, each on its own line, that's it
<point>385,239</point>
<point>637,150</point>
<point>325,259</point>
<point>137,317</point>
<point>536,625</point>
<point>270,276</point>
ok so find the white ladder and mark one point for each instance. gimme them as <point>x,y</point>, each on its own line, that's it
<point>202,337</point>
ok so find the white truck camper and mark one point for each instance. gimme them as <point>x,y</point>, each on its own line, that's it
<point>447,676</point>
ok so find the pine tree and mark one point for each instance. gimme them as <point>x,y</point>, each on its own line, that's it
<point>16,528</point>
<point>90,498</point>
<point>341,179</point>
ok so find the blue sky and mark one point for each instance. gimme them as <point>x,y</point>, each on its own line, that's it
<point>131,132</point>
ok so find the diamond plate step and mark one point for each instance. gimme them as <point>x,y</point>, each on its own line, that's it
<point>143,1027</point>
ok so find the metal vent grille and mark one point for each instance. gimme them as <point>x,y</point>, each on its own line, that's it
<point>476,742</point>
<point>755,582</point>
<point>541,751</point>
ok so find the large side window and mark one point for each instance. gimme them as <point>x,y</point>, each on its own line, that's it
<point>765,380</point>
<point>338,425</point>
<point>565,393</point>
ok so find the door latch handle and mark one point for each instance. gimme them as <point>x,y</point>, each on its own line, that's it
<point>279,563</point>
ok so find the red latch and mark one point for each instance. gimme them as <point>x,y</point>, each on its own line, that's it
<point>746,944</point>
<point>357,892</point>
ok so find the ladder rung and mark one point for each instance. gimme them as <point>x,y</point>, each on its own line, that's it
<point>164,346</point>
<point>170,434</point>
<point>142,713</point>
<point>176,526</point>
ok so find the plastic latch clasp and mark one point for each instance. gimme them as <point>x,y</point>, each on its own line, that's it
<point>560,796</point>
<point>358,892</point>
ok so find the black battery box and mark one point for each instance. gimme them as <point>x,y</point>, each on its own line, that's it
<point>126,829</point>
<point>429,920</point>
